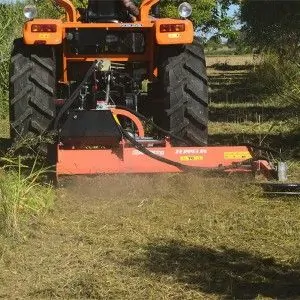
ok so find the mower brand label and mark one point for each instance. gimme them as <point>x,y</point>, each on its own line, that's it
<point>237,155</point>
<point>190,151</point>
<point>156,152</point>
<point>191,158</point>
<point>131,25</point>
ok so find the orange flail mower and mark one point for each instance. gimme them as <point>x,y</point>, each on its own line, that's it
<point>124,90</point>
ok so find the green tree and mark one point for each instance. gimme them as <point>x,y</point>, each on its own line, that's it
<point>207,15</point>
<point>273,25</point>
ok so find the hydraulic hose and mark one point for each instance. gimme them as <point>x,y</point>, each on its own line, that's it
<point>74,95</point>
<point>144,150</point>
<point>147,152</point>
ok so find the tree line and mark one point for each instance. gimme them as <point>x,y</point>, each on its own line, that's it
<point>265,24</point>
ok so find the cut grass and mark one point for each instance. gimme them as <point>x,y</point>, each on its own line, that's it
<point>231,60</point>
<point>264,128</point>
<point>158,237</point>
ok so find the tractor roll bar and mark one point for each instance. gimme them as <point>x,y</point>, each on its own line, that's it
<point>69,8</point>
<point>145,9</point>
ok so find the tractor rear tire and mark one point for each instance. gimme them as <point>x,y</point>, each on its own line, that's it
<point>32,84</point>
<point>183,81</point>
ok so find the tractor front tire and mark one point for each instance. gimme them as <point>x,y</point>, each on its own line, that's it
<point>183,82</point>
<point>32,84</point>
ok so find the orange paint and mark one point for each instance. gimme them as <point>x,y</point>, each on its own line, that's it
<point>132,117</point>
<point>50,38</point>
<point>175,37</point>
<point>129,160</point>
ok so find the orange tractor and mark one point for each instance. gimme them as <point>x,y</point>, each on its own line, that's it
<point>99,74</point>
<point>151,65</point>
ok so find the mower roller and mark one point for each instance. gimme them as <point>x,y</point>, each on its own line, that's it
<point>124,90</point>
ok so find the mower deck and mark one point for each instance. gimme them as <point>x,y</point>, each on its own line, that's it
<point>126,159</point>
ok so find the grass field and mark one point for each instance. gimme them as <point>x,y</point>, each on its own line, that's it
<point>172,236</point>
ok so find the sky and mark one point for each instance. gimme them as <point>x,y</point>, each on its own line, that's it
<point>232,9</point>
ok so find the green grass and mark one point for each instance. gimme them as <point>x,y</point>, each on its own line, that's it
<point>22,194</point>
<point>256,128</point>
<point>4,125</point>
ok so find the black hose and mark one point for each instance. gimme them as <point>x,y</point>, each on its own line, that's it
<point>144,150</point>
<point>147,152</point>
<point>170,134</point>
<point>72,98</point>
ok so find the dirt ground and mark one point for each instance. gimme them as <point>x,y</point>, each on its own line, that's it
<point>172,236</point>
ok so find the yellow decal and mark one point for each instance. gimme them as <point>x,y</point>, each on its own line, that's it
<point>237,155</point>
<point>174,35</point>
<point>116,119</point>
<point>191,158</point>
<point>44,36</point>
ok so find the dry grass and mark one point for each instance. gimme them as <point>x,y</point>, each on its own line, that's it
<point>256,128</point>
<point>4,125</point>
<point>231,60</point>
<point>157,237</point>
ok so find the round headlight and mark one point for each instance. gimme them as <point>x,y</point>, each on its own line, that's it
<point>185,10</point>
<point>30,12</point>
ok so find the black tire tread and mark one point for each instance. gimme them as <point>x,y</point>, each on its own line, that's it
<point>32,89</point>
<point>184,83</point>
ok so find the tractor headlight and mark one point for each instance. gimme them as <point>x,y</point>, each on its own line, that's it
<point>185,10</point>
<point>30,12</point>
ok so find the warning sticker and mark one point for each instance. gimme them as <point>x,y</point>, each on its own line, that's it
<point>191,158</point>
<point>237,155</point>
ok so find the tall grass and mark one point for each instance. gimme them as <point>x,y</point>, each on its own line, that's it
<point>22,194</point>
<point>278,79</point>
